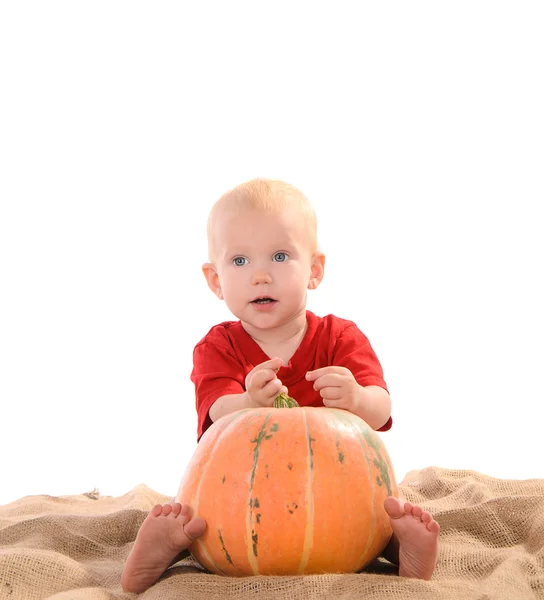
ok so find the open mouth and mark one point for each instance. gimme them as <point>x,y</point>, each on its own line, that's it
<point>263,300</point>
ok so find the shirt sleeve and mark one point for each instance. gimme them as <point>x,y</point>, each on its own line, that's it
<point>216,372</point>
<point>353,351</point>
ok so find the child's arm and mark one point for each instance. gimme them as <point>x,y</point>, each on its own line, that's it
<point>373,405</point>
<point>228,404</point>
<point>364,391</point>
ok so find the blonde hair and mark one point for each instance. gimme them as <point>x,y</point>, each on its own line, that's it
<point>269,196</point>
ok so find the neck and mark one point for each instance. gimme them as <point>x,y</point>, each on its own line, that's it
<point>294,329</point>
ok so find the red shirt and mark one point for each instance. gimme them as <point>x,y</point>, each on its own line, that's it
<point>224,357</point>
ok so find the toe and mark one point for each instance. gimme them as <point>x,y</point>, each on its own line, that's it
<point>433,526</point>
<point>408,508</point>
<point>425,516</point>
<point>176,509</point>
<point>156,510</point>
<point>393,508</point>
<point>194,528</point>
<point>417,512</point>
<point>166,509</point>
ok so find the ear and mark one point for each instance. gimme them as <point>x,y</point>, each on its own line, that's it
<point>213,279</point>
<point>318,270</point>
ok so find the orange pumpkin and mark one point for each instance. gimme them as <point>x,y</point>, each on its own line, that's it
<point>289,491</point>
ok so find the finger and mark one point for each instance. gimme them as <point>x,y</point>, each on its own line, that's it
<point>333,380</point>
<point>331,403</point>
<point>331,393</point>
<point>261,378</point>
<point>272,389</point>
<point>313,375</point>
<point>273,363</point>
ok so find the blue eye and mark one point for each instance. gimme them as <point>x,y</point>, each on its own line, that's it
<point>239,261</point>
<point>280,257</point>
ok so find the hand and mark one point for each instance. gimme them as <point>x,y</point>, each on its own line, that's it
<point>262,385</point>
<point>337,387</point>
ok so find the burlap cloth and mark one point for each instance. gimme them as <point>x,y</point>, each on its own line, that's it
<point>74,548</point>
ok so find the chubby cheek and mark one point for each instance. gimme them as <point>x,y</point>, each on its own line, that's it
<point>232,287</point>
<point>296,281</point>
<point>233,296</point>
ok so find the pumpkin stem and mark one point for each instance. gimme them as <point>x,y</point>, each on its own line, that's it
<point>285,401</point>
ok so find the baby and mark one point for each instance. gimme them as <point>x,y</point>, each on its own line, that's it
<point>263,252</point>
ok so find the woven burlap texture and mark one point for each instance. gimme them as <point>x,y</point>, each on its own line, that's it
<point>74,548</point>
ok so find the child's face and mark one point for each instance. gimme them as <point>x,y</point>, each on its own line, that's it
<point>263,256</point>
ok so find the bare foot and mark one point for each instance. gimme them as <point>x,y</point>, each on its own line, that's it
<point>417,534</point>
<point>166,531</point>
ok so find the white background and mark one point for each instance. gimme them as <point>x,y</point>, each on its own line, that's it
<point>416,129</point>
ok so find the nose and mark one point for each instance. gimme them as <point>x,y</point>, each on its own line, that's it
<point>261,276</point>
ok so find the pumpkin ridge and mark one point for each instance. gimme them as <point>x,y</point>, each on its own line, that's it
<point>199,541</point>
<point>309,532</point>
<point>253,502</point>
<point>362,439</point>
<point>229,559</point>
<point>379,462</point>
